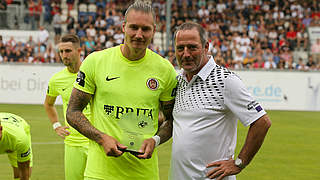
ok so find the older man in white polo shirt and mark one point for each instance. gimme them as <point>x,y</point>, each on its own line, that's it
<point>210,99</point>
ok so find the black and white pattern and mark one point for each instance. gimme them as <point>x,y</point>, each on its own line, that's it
<point>202,94</point>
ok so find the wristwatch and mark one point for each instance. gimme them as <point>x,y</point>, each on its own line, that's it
<point>239,163</point>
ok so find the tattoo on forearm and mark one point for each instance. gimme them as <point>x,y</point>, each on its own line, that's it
<point>75,117</point>
<point>165,131</point>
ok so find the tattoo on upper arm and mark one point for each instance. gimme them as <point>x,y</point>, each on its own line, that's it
<point>167,108</point>
<point>78,101</point>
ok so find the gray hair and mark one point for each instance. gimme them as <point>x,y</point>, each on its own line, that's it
<point>190,26</point>
<point>142,6</point>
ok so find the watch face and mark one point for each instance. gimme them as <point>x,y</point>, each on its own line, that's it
<point>238,162</point>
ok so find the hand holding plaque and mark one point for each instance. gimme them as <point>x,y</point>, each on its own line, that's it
<point>133,130</point>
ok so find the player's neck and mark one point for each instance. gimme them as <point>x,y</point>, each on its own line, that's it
<point>75,67</point>
<point>132,54</point>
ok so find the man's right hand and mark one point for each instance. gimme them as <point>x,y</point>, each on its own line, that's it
<point>111,146</point>
<point>62,131</point>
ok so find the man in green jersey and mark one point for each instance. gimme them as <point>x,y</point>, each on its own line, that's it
<point>76,145</point>
<point>15,140</point>
<point>126,85</point>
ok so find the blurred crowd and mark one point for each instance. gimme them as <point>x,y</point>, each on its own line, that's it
<point>243,34</point>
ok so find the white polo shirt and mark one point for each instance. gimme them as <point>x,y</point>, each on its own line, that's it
<point>205,114</point>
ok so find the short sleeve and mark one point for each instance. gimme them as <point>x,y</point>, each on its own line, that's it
<point>240,101</point>
<point>169,92</point>
<point>51,90</point>
<point>85,78</point>
<point>23,149</point>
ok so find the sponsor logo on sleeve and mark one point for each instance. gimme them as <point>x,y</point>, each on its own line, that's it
<point>81,78</point>
<point>26,153</point>
<point>254,105</point>
<point>174,92</point>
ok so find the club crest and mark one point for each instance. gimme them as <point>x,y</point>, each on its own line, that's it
<point>153,84</point>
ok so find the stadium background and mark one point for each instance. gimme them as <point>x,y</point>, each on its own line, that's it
<point>248,36</point>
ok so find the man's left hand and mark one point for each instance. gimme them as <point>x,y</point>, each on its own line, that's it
<point>147,148</point>
<point>222,169</point>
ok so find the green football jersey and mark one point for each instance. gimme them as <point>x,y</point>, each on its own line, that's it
<point>129,92</point>
<point>61,83</point>
<point>15,137</point>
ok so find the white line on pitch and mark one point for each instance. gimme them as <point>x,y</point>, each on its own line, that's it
<point>45,143</point>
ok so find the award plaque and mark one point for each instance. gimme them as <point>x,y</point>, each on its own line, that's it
<point>133,130</point>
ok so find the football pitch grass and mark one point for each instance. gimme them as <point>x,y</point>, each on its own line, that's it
<point>290,150</point>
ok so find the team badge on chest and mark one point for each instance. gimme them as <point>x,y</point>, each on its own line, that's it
<point>152,84</point>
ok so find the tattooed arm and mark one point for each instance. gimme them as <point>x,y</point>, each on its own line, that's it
<point>165,131</point>
<point>78,101</point>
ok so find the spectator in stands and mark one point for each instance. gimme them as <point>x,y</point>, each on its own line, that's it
<point>259,63</point>
<point>301,66</point>
<point>81,22</point>
<point>50,54</point>
<point>281,64</point>
<point>267,54</point>
<point>38,12</point>
<point>9,55</point>
<point>3,15</point>
<point>28,58</point>
<point>270,64</point>
<point>315,21</point>
<point>110,42</point>
<point>101,38</point>
<point>31,19</point>
<point>91,31</point>
<point>89,44</point>
<point>47,17</point>
<point>315,50</point>
<point>43,36</point>
<point>100,23</point>
<point>19,55</point>
<point>89,22</point>
<point>100,12</point>
<point>39,48</point>
<point>108,18</point>
<point>318,66</point>
<point>290,64</point>
<point>285,54</point>
<point>70,21</point>
<point>80,31</point>
<point>57,25</point>
<point>307,19</point>
<point>70,4</point>
<point>302,37</point>
<point>30,42</point>
<point>118,36</point>
<point>310,63</point>
<point>291,36</point>
<point>11,42</point>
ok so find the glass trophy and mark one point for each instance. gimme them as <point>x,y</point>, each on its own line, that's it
<point>133,130</point>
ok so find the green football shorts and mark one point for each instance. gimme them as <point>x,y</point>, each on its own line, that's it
<point>75,160</point>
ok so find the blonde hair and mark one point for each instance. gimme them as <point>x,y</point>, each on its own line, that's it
<point>140,5</point>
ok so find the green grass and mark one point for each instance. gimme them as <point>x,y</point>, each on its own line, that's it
<point>290,150</point>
